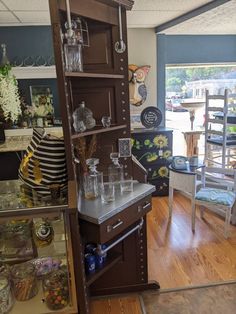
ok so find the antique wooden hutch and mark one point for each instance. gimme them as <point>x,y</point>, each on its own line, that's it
<point>117,228</point>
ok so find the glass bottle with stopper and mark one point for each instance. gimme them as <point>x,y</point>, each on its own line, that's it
<point>83,118</point>
<point>75,38</point>
<point>115,171</point>
<point>93,180</point>
<point>5,60</point>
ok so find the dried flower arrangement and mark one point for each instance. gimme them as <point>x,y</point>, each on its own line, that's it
<point>84,151</point>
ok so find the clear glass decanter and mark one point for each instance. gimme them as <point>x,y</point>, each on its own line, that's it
<point>73,48</point>
<point>115,171</point>
<point>92,164</point>
<point>73,55</point>
<point>5,59</point>
<point>93,180</point>
<point>83,118</point>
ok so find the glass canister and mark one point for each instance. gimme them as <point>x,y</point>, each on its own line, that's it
<point>24,281</point>
<point>17,239</point>
<point>6,299</point>
<point>56,292</point>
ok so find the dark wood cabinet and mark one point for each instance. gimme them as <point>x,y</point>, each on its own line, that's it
<point>152,148</point>
<point>103,86</point>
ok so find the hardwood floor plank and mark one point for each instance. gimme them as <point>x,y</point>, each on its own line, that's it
<point>222,259</point>
<point>178,257</point>
<point>116,305</point>
<point>167,268</point>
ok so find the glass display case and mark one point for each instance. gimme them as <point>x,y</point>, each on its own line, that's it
<point>36,260</point>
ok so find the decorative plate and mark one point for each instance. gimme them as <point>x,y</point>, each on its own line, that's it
<point>151,117</point>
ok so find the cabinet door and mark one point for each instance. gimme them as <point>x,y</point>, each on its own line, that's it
<point>37,253</point>
<point>153,150</point>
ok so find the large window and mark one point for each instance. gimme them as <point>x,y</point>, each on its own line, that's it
<point>189,83</point>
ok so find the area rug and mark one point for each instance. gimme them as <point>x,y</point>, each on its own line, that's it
<point>215,299</point>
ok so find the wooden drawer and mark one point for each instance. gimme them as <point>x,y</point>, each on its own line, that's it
<point>109,229</point>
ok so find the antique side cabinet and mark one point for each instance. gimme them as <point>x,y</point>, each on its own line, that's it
<point>117,229</point>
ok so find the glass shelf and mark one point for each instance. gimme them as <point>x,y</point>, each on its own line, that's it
<point>18,199</point>
<point>37,306</point>
<point>49,255</point>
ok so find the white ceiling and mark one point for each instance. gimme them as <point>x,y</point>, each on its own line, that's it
<point>145,13</point>
<point>24,12</point>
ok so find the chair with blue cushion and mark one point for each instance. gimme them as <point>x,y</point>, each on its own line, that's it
<point>217,193</point>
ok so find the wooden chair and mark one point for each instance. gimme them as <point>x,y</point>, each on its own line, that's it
<point>217,193</point>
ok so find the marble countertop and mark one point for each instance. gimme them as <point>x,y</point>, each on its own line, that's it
<point>19,139</point>
<point>96,212</point>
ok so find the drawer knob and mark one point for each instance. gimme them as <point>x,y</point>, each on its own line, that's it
<point>114,226</point>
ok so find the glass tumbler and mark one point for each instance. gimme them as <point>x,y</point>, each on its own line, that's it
<point>108,192</point>
<point>106,121</point>
<point>90,182</point>
<point>127,184</point>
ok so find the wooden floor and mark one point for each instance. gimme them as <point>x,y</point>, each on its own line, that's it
<point>176,256</point>
<point>121,305</point>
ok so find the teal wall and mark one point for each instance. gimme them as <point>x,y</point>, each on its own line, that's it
<point>30,41</point>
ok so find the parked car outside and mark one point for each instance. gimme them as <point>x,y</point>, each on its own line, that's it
<point>174,105</point>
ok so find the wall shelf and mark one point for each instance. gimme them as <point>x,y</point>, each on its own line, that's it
<point>98,130</point>
<point>43,72</point>
<point>94,75</point>
<point>112,259</point>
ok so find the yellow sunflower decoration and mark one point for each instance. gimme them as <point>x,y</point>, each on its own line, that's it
<point>160,141</point>
<point>166,154</point>
<point>163,172</point>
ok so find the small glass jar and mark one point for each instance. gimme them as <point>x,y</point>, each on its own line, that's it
<point>17,240</point>
<point>6,299</point>
<point>24,281</point>
<point>56,292</point>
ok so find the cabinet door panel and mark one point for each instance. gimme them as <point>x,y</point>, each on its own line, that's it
<point>101,100</point>
<point>99,54</point>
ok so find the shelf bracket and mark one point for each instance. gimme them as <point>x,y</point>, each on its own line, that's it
<point>120,46</point>
<point>137,227</point>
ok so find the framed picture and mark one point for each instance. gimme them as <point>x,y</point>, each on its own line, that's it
<point>42,100</point>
